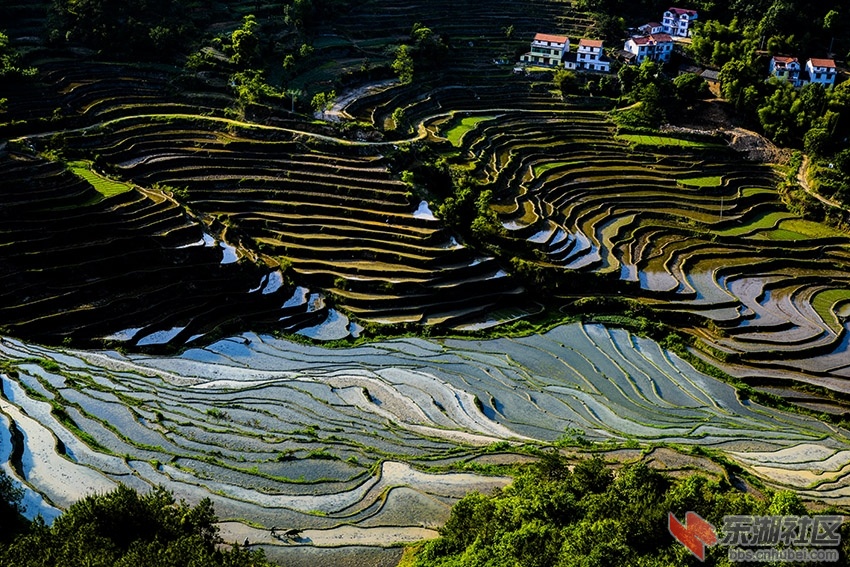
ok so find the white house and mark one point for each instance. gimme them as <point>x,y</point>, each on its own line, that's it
<point>651,28</point>
<point>786,69</point>
<point>589,57</point>
<point>655,47</point>
<point>677,21</point>
<point>547,49</point>
<point>821,71</point>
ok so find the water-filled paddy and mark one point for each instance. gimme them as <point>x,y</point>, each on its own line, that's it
<point>279,433</point>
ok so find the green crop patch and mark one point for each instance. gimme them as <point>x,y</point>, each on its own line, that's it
<point>707,181</point>
<point>456,132</point>
<point>661,141</point>
<point>825,302</point>
<point>106,187</point>
<point>755,224</point>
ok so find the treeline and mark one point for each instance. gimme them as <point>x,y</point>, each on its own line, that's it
<point>140,30</point>
<point>551,516</point>
<point>118,529</point>
<point>801,21</point>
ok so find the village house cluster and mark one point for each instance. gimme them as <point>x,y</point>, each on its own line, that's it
<point>654,42</point>
<point>554,50</point>
<point>821,71</point>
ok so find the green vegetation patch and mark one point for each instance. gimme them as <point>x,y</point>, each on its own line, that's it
<point>123,527</point>
<point>541,168</point>
<point>761,222</point>
<point>825,302</point>
<point>799,229</point>
<point>106,187</point>
<point>456,132</point>
<point>552,515</point>
<point>811,229</point>
<point>660,141</point>
<point>707,181</point>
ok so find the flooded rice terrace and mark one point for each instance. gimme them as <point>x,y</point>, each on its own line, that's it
<point>352,446</point>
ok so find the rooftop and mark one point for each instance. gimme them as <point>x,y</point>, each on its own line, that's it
<point>782,61</point>
<point>551,38</point>
<point>590,42</point>
<point>680,11</point>
<point>652,38</point>
<point>822,62</point>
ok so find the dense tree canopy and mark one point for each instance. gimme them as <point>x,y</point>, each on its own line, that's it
<point>143,29</point>
<point>590,516</point>
<point>124,528</point>
<point>10,61</point>
<point>11,521</point>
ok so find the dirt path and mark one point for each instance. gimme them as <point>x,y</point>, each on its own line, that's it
<point>337,112</point>
<point>804,183</point>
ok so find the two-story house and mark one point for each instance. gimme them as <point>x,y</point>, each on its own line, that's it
<point>677,21</point>
<point>547,49</point>
<point>786,69</point>
<point>655,47</point>
<point>821,71</point>
<point>588,57</point>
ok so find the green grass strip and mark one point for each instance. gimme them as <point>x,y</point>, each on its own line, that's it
<point>825,301</point>
<point>106,187</point>
<point>465,125</point>
<point>662,141</point>
<point>709,181</point>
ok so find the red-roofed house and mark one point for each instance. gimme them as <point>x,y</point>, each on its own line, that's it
<point>677,21</point>
<point>651,28</point>
<point>589,57</point>
<point>547,49</point>
<point>655,47</point>
<point>821,71</point>
<point>786,69</point>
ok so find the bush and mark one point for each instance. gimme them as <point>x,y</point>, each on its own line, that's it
<point>123,528</point>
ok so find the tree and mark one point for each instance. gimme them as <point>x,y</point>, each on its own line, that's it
<point>322,102</point>
<point>11,496</point>
<point>780,114</point>
<point>816,142</point>
<point>403,64</point>
<point>830,25</point>
<point>590,516</point>
<point>690,87</point>
<point>119,29</point>
<point>125,529</point>
<point>738,85</point>
<point>245,42</point>
<point>565,81</point>
<point>294,95</point>
<point>10,61</point>
<point>299,13</point>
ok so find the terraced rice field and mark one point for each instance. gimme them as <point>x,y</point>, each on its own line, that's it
<point>686,227</point>
<point>190,225</point>
<point>335,442</point>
